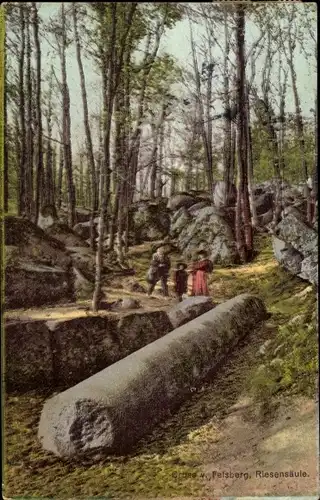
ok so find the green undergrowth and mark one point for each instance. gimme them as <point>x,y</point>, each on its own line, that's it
<point>167,462</point>
<point>289,359</point>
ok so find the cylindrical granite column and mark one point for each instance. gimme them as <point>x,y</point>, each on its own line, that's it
<point>108,412</point>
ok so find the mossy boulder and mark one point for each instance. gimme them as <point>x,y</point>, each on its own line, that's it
<point>38,270</point>
<point>150,221</point>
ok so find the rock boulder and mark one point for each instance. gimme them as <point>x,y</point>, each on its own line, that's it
<point>208,230</point>
<point>181,200</point>
<point>298,247</point>
<point>38,269</point>
<point>150,220</point>
<point>287,256</point>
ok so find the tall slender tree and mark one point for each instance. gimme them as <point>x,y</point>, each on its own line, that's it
<point>22,176</point>
<point>29,116</point>
<point>39,145</point>
<point>244,241</point>
<point>90,155</point>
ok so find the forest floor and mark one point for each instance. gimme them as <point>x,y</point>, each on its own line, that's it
<point>222,428</point>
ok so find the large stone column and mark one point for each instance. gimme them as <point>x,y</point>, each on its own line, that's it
<point>110,411</point>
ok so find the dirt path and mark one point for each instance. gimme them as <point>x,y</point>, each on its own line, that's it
<point>113,292</point>
<point>286,445</point>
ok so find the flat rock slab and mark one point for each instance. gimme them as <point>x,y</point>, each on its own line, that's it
<point>110,411</point>
<point>81,347</point>
<point>189,309</point>
<point>62,353</point>
<point>28,362</point>
<point>33,284</point>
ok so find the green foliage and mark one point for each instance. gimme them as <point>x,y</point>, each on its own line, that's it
<point>164,73</point>
<point>290,363</point>
<point>262,154</point>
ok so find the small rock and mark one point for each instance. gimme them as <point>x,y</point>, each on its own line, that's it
<point>304,292</point>
<point>129,303</point>
<point>296,319</point>
<point>277,362</point>
<point>279,350</point>
<point>261,368</point>
<point>264,347</point>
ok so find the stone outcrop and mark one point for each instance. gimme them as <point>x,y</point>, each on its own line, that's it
<point>110,411</point>
<point>29,285</point>
<point>59,353</point>
<point>180,200</point>
<point>287,256</point>
<point>197,206</point>
<point>294,231</point>
<point>264,203</point>
<point>28,360</point>
<point>206,229</point>
<point>82,229</point>
<point>150,221</point>
<point>296,246</point>
<point>292,197</point>
<point>67,236</point>
<point>38,269</point>
<point>82,214</point>
<point>83,287</point>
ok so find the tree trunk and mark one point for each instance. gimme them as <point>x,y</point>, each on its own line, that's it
<point>118,170</point>
<point>104,187</point>
<point>29,154</point>
<point>50,198</point>
<point>39,146</point>
<point>6,135</point>
<point>60,177</point>
<point>66,134</point>
<point>85,110</point>
<point>17,148</point>
<point>245,246</point>
<point>81,182</point>
<point>205,136</point>
<point>227,146</point>
<point>90,154</point>
<point>209,130</point>
<point>153,164</point>
<point>23,157</point>
<point>254,219</point>
<point>299,122</point>
<point>314,196</point>
<point>159,184</point>
<point>233,155</point>
<point>54,169</point>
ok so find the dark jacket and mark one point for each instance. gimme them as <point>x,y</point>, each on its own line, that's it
<point>181,281</point>
<point>160,267</point>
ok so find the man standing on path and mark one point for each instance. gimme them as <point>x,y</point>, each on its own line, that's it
<point>159,270</point>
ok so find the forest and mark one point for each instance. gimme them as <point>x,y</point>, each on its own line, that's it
<point>133,126</point>
<point>128,150</point>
